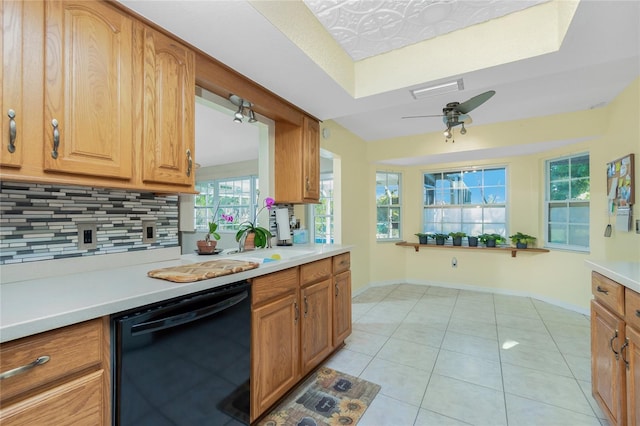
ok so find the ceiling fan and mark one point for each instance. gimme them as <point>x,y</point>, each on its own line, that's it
<point>456,113</point>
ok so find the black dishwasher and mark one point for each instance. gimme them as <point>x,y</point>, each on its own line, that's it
<point>184,361</point>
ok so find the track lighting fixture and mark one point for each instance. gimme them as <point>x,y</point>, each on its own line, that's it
<point>242,105</point>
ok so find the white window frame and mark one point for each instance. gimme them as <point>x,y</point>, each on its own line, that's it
<point>391,206</point>
<point>329,216</point>
<point>466,226</point>
<point>567,203</point>
<point>213,189</point>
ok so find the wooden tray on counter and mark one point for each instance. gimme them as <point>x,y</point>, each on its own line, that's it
<point>202,270</point>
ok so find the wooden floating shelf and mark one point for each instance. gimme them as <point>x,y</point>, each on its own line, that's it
<point>513,250</point>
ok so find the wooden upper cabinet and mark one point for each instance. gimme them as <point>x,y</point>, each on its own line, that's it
<point>168,111</point>
<point>12,111</point>
<point>297,162</point>
<point>88,99</point>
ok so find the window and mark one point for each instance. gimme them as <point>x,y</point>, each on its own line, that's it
<point>567,202</point>
<point>387,206</point>
<point>236,198</point>
<point>471,201</point>
<point>323,212</point>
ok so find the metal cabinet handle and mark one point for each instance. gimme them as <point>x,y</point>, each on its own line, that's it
<point>638,313</point>
<point>12,131</point>
<point>295,306</point>
<point>56,138</point>
<point>307,183</point>
<point>602,290</point>
<point>189,163</point>
<point>622,349</point>
<point>306,307</point>
<point>23,369</point>
<point>611,345</point>
<point>337,289</point>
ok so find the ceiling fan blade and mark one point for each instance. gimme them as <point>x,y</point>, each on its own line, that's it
<point>475,102</point>
<point>423,116</point>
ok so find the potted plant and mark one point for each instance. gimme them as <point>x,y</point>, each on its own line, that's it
<point>440,238</point>
<point>490,240</point>
<point>254,235</point>
<point>457,237</point>
<point>208,245</point>
<point>473,241</point>
<point>522,240</point>
<point>422,237</point>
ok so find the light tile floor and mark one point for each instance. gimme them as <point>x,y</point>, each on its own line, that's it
<point>456,357</point>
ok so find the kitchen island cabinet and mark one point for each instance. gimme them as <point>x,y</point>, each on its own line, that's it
<point>615,353</point>
<point>69,384</point>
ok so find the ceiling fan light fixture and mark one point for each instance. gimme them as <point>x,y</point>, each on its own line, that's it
<point>447,133</point>
<point>438,89</point>
<point>463,131</point>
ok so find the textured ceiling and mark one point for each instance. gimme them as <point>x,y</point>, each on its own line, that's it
<point>369,28</point>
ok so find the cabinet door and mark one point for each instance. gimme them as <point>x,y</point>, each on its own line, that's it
<point>12,53</point>
<point>88,89</point>
<point>311,159</point>
<point>168,113</point>
<point>275,343</point>
<point>316,301</point>
<point>341,307</point>
<point>607,368</point>
<point>632,355</point>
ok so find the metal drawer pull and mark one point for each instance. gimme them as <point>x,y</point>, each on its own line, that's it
<point>602,290</point>
<point>622,349</point>
<point>638,313</point>
<point>337,289</point>
<point>39,361</point>
<point>306,307</point>
<point>12,131</point>
<point>189,163</point>
<point>615,336</point>
<point>56,138</point>
<point>295,306</point>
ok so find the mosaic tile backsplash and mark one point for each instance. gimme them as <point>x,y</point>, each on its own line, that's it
<point>40,222</point>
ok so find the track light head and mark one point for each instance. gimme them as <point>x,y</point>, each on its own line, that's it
<point>252,116</point>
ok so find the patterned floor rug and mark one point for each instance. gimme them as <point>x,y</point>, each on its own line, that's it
<point>327,398</point>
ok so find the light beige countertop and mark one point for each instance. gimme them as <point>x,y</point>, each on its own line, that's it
<point>625,273</point>
<point>42,296</point>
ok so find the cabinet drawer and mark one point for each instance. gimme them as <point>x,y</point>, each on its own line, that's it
<point>269,286</point>
<point>74,403</point>
<point>341,262</point>
<point>70,349</point>
<point>632,308</point>
<point>315,271</point>
<point>608,292</point>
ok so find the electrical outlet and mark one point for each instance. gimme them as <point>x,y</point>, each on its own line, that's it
<point>149,231</point>
<point>87,236</point>
<point>454,262</point>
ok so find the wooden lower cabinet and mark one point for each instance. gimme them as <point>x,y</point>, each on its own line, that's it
<point>607,369</point>
<point>632,355</point>
<point>316,324</point>
<point>341,307</point>
<point>294,326</point>
<point>615,350</point>
<point>71,388</point>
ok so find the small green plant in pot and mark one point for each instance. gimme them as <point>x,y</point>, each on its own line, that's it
<point>490,240</point>
<point>254,235</point>
<point>473,241</point>
<point>522,240</point>
<point>457,237</point>
<point>422,237</point>
<point>440,238</point>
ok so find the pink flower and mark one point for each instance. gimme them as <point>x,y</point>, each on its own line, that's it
<point>269,202</point>
<point>227,217</point>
